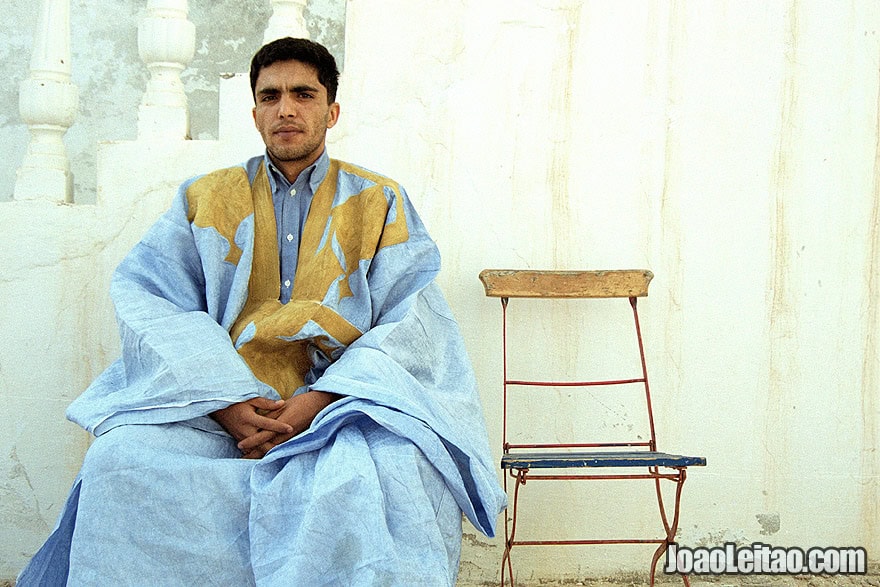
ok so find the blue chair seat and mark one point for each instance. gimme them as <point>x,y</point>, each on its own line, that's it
<point>596,459</point>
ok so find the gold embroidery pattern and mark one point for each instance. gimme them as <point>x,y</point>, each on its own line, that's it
<point>335,241</point>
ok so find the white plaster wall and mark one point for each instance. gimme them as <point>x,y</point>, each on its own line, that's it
<point>731,147</point>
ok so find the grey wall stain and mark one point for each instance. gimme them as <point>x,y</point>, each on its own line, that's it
<point>475,541</point>
<point>769,523</point>
<point>19,506</point>
<point>16,40</point>
<point>111,77</point>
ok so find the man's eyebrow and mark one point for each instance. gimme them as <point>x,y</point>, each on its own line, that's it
<point>294,89</point>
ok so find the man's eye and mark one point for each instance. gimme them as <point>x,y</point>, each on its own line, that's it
<point>306,96</point>
<point>268,98</point>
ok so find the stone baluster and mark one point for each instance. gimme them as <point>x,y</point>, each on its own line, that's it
<point>287,20</point>
<point>48,103</point>
<point>166,43</point>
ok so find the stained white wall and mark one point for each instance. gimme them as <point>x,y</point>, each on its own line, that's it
<point>731,147</point>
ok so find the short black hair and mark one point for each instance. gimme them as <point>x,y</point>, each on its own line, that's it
<point>304,51</point>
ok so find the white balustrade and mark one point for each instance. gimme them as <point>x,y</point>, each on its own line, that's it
<point>287,20</point>
<point>48,100</point>
<point>48,103</point>
<point>166,43</point>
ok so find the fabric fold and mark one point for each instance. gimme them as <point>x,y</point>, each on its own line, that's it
<point>202,328</point>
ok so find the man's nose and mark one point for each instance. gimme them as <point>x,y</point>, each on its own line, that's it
<point>286,106</point>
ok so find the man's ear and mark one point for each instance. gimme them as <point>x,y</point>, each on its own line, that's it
<point>254,114</point>
<point>333,116</point>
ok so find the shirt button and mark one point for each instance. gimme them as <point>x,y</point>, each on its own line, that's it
<point>289,237</point>
<point>292,191</point>
<point>287,283</point>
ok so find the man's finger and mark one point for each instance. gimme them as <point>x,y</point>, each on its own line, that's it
<point>277,440</point>
<point>271,424</point>
<point>255,440</point>
<point>264,403</point>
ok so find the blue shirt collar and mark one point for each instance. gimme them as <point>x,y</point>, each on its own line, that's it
<point>314,173</point>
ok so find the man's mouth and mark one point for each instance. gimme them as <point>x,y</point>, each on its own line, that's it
<point>287,131</point>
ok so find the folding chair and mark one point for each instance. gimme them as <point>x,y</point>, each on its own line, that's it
<point>579,460</point>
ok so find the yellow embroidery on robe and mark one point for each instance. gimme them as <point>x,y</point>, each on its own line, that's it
<point>358,227</point>
<point>280,338</point>
<point>208,206</point>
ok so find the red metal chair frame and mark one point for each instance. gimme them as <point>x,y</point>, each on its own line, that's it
<point>519,464</point>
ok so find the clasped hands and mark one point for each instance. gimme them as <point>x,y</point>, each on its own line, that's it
<point>259,424</point>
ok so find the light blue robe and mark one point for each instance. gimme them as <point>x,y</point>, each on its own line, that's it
<point>371,494</point>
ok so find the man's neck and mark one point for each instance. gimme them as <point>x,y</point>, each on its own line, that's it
<point>313,174</point>
<point>292,169</point>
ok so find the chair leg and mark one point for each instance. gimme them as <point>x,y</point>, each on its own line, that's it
<point>506,564</point>
<point>670,528</point>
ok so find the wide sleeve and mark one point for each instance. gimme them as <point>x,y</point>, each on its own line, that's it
<point>177,360</point>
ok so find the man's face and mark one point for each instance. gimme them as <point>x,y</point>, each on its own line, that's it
<point>292,114</point>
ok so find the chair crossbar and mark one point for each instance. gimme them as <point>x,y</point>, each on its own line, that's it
<point>573,383</point>
<point>587,542</point>
<point>555,445</point>
<point>568,460</point>
<point>653,474</point>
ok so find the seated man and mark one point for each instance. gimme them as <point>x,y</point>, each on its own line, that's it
<point>293,404</point>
